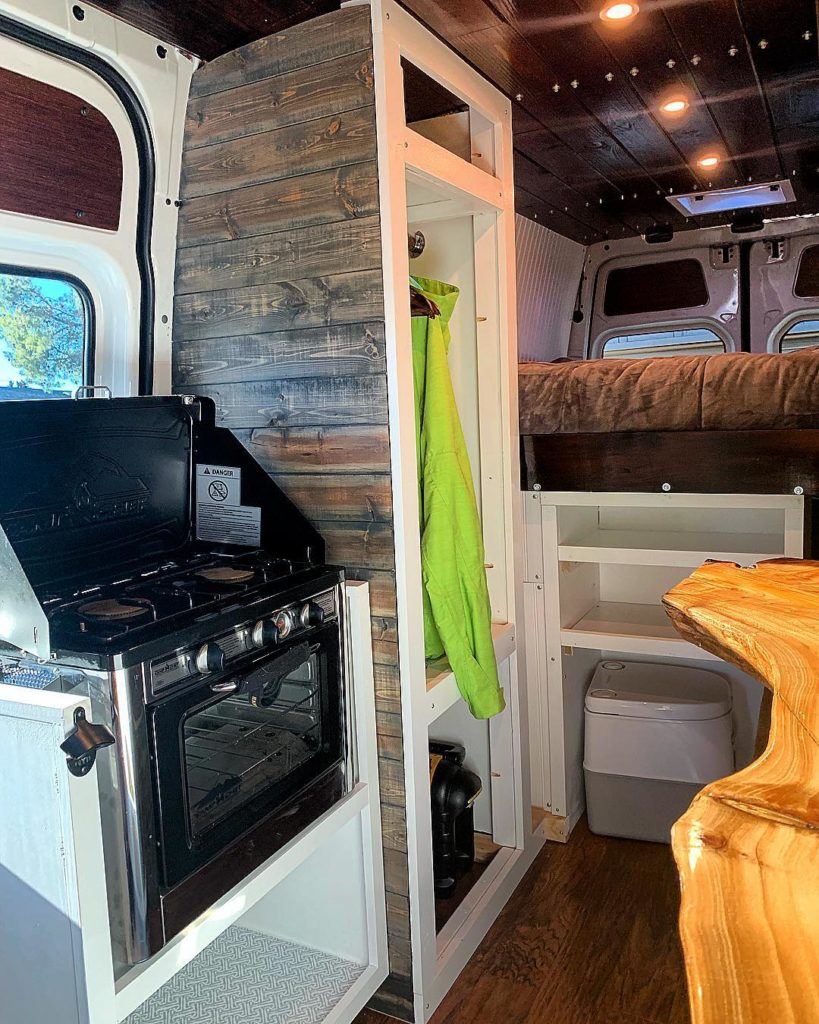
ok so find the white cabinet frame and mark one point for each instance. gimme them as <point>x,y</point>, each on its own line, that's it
<point>464,189</point>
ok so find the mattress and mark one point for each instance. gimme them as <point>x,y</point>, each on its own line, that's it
<point>731,391</point>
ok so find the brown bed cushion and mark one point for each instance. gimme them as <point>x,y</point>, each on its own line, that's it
<point>734,391</point>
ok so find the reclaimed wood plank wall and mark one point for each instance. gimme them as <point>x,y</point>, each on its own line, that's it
<point>279,317</point>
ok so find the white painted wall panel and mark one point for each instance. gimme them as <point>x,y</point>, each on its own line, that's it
<point>548,274</point>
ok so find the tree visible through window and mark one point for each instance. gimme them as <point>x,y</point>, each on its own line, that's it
<point>43,336</point>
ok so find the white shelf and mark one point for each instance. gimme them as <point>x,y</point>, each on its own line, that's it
<point>246,976</point>
<point>442,690</point>
<point>629,629</point>
<point>677,548</point>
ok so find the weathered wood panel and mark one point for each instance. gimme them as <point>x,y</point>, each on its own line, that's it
<point>345,350</point>
<point>285,256</point>
<point>327,142</point>
<point>312,42</point>
<point>339,193</point>
<point>300,402</point>
<point>356,449</point>
<point>331,87</point>
<point>369,544</point>
<point>339,496</point>
<point>279,318</point>
<point>279,306</point>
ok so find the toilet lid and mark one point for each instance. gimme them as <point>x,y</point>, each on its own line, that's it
<point>650,690</point>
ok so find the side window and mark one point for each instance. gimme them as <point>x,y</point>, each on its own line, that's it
<point>652,287</point>
<point>46,335</point>
<point>695,341</point>
<point>804,334</point>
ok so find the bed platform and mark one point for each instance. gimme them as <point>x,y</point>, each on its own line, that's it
<point>735,423</point>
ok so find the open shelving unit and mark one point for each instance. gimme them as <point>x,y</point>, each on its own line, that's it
<point>450,176</point>
<point>596,567</point>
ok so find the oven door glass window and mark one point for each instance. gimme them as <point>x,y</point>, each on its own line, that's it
<point>237,748</point>
<point>241,748</point>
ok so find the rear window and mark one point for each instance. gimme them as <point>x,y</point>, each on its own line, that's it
<point>653,287</point>
<point>45,328</point>
<point>807,277</point>
<point>805,334</point>
<point>695,341</point>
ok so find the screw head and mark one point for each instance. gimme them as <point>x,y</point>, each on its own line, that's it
<point>763,44</point>
<point>574,83</point>
<point>609,76</point>
<point>696,59</point>
<point>733,51</point>
<point>519,97</point>
<point>666,487</point>
<point>634,72</point>
<point>807,35</point>
<point>555,87</point>
<point>798,490</point>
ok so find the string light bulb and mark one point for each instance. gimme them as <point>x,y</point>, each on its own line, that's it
<point>619,12</point>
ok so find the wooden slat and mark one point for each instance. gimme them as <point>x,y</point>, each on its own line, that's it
<point>316,250</point>
<point>335,141</point>
<point>394,827</point>
<point>391,747</point>
<point>337,194</point>
<point>278,306</point>
<point>345,350</point>
<point>689,461</point>
<point>747,847</point>
<point>336,496</point>
<point>364,543</point>
<point>320,39</point>
<point>302,95</point>
<point>355,449</point>
<point>398,915</point>
<point>300,402</point>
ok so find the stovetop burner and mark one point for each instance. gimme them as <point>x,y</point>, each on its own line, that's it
<point>162,598</point>
<point>226,574</point>
<point>112,609</point>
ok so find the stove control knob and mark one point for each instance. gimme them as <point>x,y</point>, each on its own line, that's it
<point>210,658</point>
<point>311,614</point>
<point>283,621</point>
<point>265,632</point>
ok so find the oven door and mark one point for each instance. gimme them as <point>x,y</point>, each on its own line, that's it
<point>233,750</point>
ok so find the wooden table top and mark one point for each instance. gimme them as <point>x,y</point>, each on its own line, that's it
<point>747,850</point>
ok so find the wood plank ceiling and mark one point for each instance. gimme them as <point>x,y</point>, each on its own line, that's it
<point>594,155</point>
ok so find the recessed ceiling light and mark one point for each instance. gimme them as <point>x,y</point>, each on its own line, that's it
<point>708,162</point>
<point>619,12</point>
<point>674,106</point>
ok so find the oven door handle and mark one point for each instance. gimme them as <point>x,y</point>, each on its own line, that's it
<point>263,685</point>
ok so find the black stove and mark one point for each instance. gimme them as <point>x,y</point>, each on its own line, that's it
<point>149,563</point>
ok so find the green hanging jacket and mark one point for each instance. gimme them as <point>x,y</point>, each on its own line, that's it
<point>457,613</point>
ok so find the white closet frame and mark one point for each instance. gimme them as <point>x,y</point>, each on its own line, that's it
<point>459,188</point>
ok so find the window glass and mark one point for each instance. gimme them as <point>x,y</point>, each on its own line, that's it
<point>807,277</point>
<point>805,334</point>
<point>696,341</point>
<point>44,332</point>
<point>651,287</point>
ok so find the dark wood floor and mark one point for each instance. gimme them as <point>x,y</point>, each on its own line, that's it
<point>590,937</point>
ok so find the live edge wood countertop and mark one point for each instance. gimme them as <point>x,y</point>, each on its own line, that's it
<point>747,850</point>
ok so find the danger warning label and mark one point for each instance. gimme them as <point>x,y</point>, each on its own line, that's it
<point>221,518</point>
